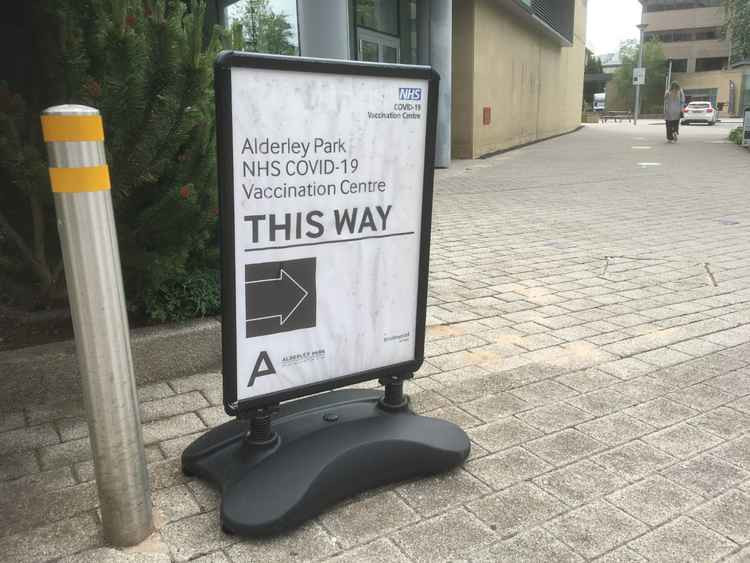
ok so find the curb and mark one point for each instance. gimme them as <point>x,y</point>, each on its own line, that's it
<point>49,373</point>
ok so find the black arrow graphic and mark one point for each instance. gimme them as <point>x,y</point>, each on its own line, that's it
<point>274,298</point>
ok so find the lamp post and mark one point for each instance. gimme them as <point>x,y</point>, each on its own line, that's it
<point>641,26</point>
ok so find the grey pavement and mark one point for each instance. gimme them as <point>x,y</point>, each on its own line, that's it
<point>589,327</point>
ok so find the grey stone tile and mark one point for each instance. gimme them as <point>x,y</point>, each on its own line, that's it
<point>682,440</point>
<point>505,468</point>
<point>543,392</point>
<point>736,452</point>
<point>654,500</point>
<point>37,483</point>
<point>172,427</point>
<point>701,397</point>
<point>431,495</point>
<point>456,415</point>
<point>214,416</point>
<point>448,536</point>
<point>723,421</point>
<point>171,406</point>
<point>175,503</point>
<point>587,380</point>
<point>38,506</point>
<point>27,438</point>
<point>643,388</point>
<point>367,517</point>
<point>502,434</point>
<point>661,412</point>
<point>601,402</point>
<point>379,551</point>
<point>154,391</point>
<point>49,411</point>
<point>66,453</point>
<point>554,417</point>
<point>167,473</point>
<point>620,555</point>
<point>494,407</point>
<point>112,555</point>
<point>72,428</point>
<point>579,482</point>
<point>627,368</point>
<point>196,535</point>
<point>736,383</point>
<point>728,515</point>
<point>195,382</point>
<point>207,497</point>
<point>706,475</point>
<point>532,546</point>
<point>296,545</point>
<point>564,447</point>
<point>11,420</point>
<point>17,465</point>
<point>595,528</point>
<point>742,556</point>
<point>521,506</point>
<point>54,540</point>
<point>742,404</point>
<point>615,428</point>
<point>633,460</point>
<point>663,357</point>
<point>680,541</point>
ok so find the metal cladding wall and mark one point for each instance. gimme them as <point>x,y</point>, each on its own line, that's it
<point>558,14</point>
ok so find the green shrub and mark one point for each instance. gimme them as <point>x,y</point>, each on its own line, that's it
<point>145,64</point>
<point>185,297</point>
<point>735,135</point>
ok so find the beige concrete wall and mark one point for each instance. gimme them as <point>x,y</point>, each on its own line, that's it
<point>684,19</point>
<point>713,79</point>
<point>462,107</point>
<point>533,85</point>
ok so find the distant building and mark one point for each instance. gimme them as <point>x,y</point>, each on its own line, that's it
<point>692,37</point>
<point>610,62</point>
<point>511,70</point>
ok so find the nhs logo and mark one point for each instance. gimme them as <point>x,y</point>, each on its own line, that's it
<point>410,94</point>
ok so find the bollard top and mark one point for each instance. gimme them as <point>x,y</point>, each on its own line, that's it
<point>70,109</point>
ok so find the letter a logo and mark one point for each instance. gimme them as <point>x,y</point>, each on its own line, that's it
<point>263,366</point>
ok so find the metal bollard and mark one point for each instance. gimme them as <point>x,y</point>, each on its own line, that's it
<point>80,181</point>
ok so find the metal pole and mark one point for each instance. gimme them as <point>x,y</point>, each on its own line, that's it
<point>669,76</point>
<point>80,181</point>
<point>636,111</point>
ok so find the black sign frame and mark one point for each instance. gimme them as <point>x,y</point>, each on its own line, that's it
<point>227,60</point>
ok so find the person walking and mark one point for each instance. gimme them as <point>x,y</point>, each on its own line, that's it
<point>674,101</point>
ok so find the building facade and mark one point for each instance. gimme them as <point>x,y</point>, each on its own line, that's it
<point>511,71</point>
<point>692,37</point>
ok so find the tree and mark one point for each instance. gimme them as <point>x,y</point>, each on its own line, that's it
<point>144,65</point>
<point>652,93</point>
<point>266,31</point>
<point>738,28</point>
<point>591,87</point>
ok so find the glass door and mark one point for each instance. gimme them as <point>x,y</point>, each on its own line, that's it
<point>378,47</point>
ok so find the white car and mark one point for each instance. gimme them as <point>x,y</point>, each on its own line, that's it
<point>700,112</point>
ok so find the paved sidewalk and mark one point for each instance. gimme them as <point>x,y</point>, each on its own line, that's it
<point>589,327</point>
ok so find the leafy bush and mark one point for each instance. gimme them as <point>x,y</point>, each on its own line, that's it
<point>145,65</point>
<point>735,135</point>
<point>185,297</point>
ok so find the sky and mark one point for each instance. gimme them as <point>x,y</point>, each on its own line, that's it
<point>610,22</point>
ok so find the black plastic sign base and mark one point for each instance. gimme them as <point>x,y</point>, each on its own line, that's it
<point>329,447</point>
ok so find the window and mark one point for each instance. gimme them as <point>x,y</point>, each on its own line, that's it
<point>378,15</point>
<point>679,65</point>
<point>707,33</point>
<point>711,63</point>
<point>664,5</point>
<point>672,35</point>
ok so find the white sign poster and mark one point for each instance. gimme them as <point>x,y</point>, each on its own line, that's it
<point>639,76</point>
<point>327,180</point>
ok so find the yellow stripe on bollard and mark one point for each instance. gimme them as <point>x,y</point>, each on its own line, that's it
<point>87,179</point>
<point>72,128</point>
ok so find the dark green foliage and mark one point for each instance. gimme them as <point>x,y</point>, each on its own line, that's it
<point>266,31</point>
<point>652,93</point>
<point>735,135</point>
<point>143,64</point>
<point>185,297</point>
<point>737,28</point>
